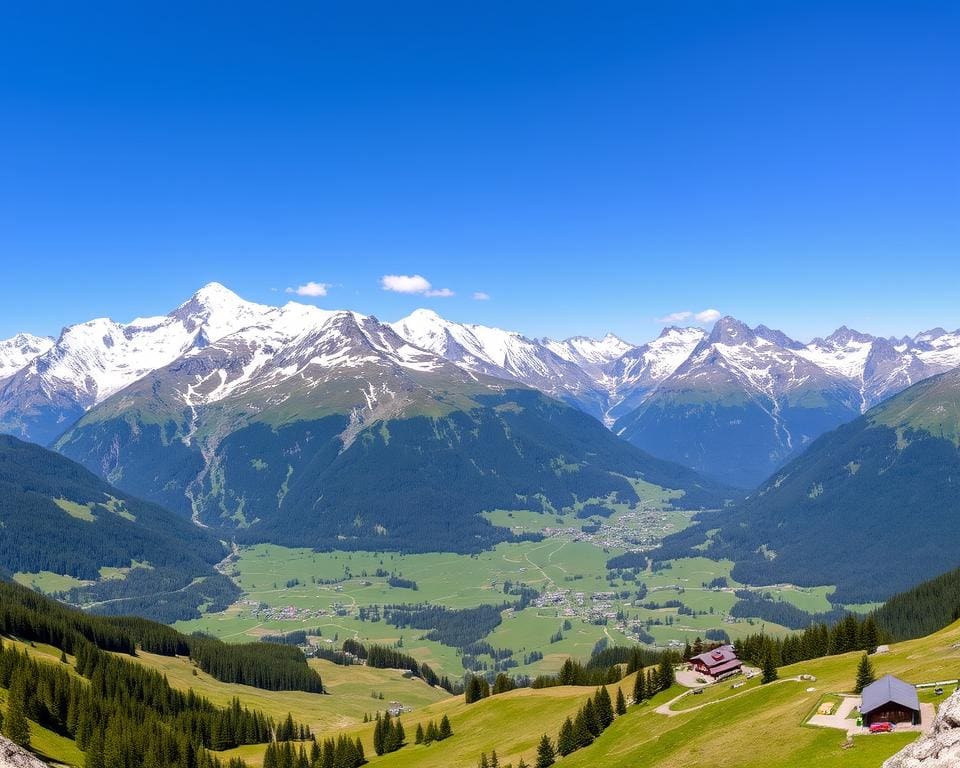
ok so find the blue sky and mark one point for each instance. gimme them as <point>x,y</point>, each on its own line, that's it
<point>589,166</point>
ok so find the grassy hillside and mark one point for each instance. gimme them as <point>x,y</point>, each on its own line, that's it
<point>745,728</point>
<point>762,728</point>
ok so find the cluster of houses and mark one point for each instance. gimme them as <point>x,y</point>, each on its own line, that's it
<point>632,530</point>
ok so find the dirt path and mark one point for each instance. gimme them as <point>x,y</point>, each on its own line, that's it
<point>664,709</point>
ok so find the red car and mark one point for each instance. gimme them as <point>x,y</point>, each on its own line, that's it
<point>881,727</point>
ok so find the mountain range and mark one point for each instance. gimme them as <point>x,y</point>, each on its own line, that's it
<point>734,403</point>
<point>873,506</point>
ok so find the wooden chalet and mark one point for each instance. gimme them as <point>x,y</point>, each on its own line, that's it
<point>718,663</point>
<point>890,700</point>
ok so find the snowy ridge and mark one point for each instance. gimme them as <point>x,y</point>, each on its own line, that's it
<point>239,348</point>
<point>20,350</point>
<point>505,355</point>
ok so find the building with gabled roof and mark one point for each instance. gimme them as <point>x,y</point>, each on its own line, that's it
<point>890,700</point>
<point>718,663</point>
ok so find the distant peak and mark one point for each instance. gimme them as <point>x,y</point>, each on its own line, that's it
<point>426,314</point>
<point>210,298</point>
<point>844,335</point>
<point>933,333</point>
<point>213,292</point>
<point>729,330</point>
<point>776,337</point>
<point>673,330</point>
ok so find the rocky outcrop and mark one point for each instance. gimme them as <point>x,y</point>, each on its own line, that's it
<point>12,756</point>
<point>938,749</point>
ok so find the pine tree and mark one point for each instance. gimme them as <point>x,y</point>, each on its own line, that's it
<point>581,731</point>
<point>565,739</point>
<point>483,762</point>
<point>621,708</point>
<point>865,674</point>
<point>640,687</point>
<point>15,725</point>
<point>665,674</point>
<point>545,754</point>
<point>446,730</point>
<point>591,719</point>
<point>604,708</point>
<point>494,760</point>
<point>769,670</point>
<point>869,636</point>
<point>418,738</point>
<point>270,756</point>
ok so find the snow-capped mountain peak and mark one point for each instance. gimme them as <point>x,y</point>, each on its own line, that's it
<point>20,350</point>
<point>588,352</point>
<point>92,360</point>
<point>503,354</point>
<point>729,330</point>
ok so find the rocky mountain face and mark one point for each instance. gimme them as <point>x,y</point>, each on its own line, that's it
<point>91,361</point>
<point>881,367</point>
<point>938,749</point>
<point>880,489</point>
<point>13,756</point>
<point>326,428</point>
<point>740,404</point>
<point>735,403</point>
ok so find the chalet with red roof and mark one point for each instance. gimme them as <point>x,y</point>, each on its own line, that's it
<point>719,663</point>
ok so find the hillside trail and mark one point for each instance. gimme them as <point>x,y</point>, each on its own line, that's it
<point>664,709</point>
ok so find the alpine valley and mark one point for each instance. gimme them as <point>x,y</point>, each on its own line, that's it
<point>417,542</point>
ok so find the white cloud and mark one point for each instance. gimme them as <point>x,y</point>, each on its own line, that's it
<point>405,283</point>
<point>412,284</point>
<point>481,296</point>
<point>707,316</point>
<point>704,317</point>
<point>311,289</point>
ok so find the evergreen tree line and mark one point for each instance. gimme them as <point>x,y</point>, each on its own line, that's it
<point>574,673</point>
<point>388,734</point>
<point>341,752</point>
<point>433,732</point>
<point>123,715</point>
<point>922,610</point>
<point>852,633</point>
<point>269,666</point>
<point>591,720</point>
<point>457,628</point>
<point>752,605</point>
<point>632,655</point>
<point>138,594</point>
<point>382,657</point>
<point>30,616</point>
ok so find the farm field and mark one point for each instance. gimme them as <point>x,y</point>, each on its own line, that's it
<point>288,589</point>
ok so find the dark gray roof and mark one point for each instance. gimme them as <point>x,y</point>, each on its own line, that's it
<point>887,689</point>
